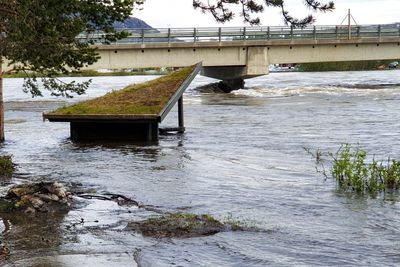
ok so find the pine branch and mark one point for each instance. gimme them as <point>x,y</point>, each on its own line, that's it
<point>222,12</point>
<point>294,22</point>
<point>317,6</point>
<point>219,10</point>
<point>248,7</point>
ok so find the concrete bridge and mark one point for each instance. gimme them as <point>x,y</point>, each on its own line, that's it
<point>234,54</point>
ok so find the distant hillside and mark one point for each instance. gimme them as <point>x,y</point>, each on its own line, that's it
<point>132,23</point>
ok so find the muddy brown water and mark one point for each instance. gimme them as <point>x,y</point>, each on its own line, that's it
<point>241,158</point>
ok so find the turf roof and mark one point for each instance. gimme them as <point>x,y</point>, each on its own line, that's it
<point>137,99</point>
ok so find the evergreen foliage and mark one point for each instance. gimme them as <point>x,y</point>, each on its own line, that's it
<point>40,37</point>
<point>7,166</point>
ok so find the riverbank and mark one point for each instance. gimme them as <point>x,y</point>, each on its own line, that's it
<point>345,66</point>
<point>304,67</point>
<point>94,73</point>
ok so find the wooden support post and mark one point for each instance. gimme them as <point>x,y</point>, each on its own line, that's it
<point>152,132</point>
<point>181,122</point>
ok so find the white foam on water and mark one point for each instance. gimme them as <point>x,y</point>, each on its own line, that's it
<point>310,90</point>
<point>249,92</point>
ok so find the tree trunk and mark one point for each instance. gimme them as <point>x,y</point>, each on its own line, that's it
<point>1,103</point>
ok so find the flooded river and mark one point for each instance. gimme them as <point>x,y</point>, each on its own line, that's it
<point>242,158</point>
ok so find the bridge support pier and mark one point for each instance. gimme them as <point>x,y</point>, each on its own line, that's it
<point>229,85</point>
<point>233,76</point>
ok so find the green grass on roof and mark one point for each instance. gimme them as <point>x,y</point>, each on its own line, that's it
<point>145,98</point>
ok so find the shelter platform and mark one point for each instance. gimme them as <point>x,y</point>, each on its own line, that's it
<point>130,114</point>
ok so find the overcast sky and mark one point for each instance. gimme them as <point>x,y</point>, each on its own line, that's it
<point>180,13</point>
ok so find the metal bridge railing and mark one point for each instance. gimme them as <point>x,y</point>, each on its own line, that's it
<point>193,35</point>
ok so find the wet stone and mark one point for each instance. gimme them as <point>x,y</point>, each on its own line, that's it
<point>177,225</point>
<point>36,197</point>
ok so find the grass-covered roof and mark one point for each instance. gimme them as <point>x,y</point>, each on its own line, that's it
<point>137,99</point>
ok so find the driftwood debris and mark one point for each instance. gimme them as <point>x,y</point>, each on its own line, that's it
<point>120,199</point>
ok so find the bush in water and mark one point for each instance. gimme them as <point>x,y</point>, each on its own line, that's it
<point>353,173</point>
<point>7,167</point>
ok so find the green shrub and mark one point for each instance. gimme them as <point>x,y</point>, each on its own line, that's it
<point>353,173</point>
<point>7,167</point>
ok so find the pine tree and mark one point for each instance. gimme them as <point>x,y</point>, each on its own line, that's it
<point>39,37</point>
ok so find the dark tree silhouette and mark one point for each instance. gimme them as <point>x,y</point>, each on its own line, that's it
<point>222,10</point>
<point>39,36</point>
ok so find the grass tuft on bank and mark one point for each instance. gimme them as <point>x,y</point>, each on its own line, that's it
<point>145,98</point>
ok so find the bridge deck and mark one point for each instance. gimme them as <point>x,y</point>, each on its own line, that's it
<point>232,47</point>
<point>269,33</point>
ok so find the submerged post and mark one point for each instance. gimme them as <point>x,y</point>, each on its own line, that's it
<point>181,121</point>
